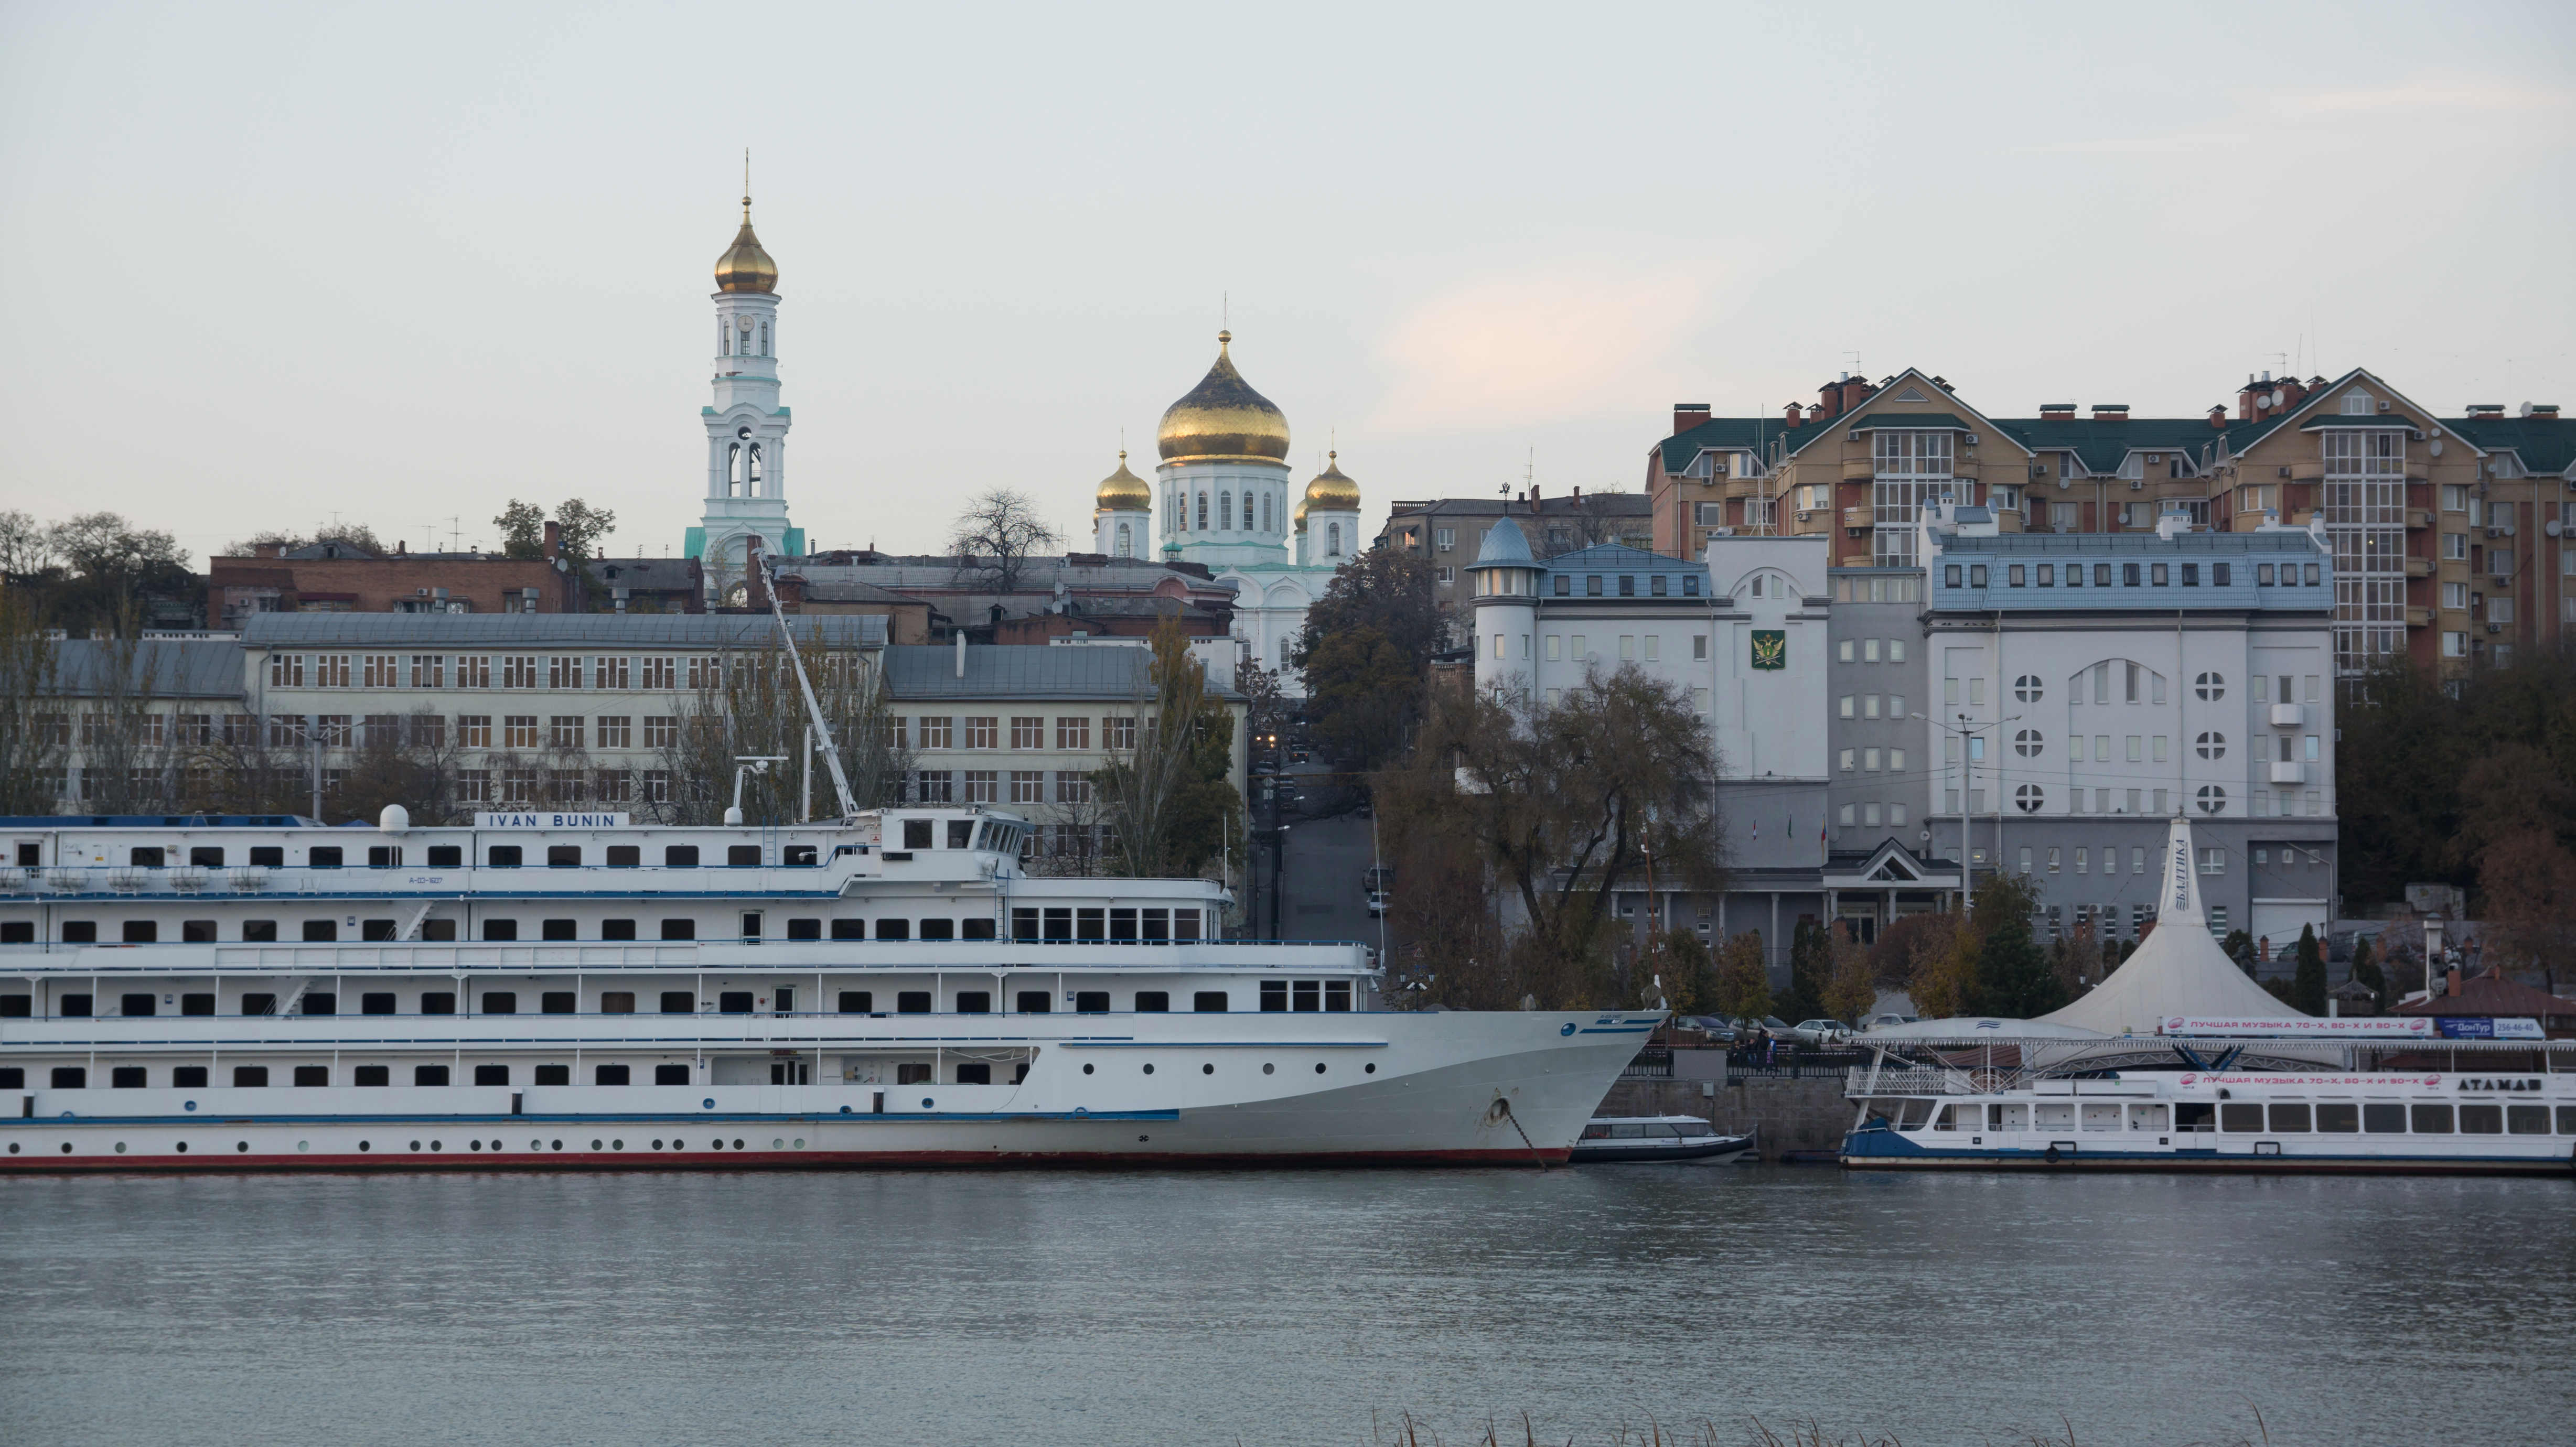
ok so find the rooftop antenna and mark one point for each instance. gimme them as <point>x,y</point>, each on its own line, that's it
<point>1855,368</point>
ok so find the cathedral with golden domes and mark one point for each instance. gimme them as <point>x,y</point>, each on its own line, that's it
<point>746,424</point>
<point>1223,497</point>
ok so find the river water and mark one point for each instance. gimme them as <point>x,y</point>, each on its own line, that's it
<point>1282,1307</point>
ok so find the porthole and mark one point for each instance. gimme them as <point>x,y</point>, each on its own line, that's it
<point>1149,1068</point>
<point>438,1145</point>
<point>657,1145</point>
<point>2029,798</point>
<point>798,1143</point>
<point>1369,1069</point>
<point>120,1148</point>
<point>13,1148</point>
<point>541,1145</point>
<point>594,1145</point>
<point>1319,1067</point>
<point>778,1144</point>
<point>1086,1070</point>
<point>2028,688</point>
<point>1269,1069</point>
<point>617,1145</point>
<point>474,1145</point>
<point>2213,799</point>
<point>717,1144</point>
<point>737,1145</point>
<point>362,1146</point>
<point>679,1145</point>
<point>558,1146</point>
<point>241,1145</point>
<point>2028,743</point>
<point>925,1102</point>
<point>2210,686</point>
<point>67,1148</point>
<point>1207,1070</point>
<point>415,1145</point>
<point>183,1148</point>
<point>2213,745</point>
<point>299,1145</point>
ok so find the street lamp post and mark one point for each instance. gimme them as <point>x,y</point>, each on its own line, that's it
<point>1967,728</point>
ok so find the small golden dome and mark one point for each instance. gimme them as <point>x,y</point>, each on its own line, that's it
<point>1223,417</point>
<point>745,267</point>
<point>1331,491</point>
<point>1123,491</point>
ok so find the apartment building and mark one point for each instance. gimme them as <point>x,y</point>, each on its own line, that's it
<point>2085,688</point>
<point>339,577</point>
<point>2447,532</point>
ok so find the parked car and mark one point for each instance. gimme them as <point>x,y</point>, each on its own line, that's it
<point>1881,1022</point>
<point>1819,1032</point>
<point>1379,882</point>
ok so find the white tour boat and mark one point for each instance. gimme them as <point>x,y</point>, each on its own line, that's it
<point>1675,1139</point>
<point>576,990</point>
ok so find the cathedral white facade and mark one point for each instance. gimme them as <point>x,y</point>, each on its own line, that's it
<point>1222,496</point>
<point>747,425</point>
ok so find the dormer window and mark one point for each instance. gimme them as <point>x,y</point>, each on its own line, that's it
<point>2358,403</point>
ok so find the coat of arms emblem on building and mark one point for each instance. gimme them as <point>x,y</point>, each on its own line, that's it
<point>1770,648</point>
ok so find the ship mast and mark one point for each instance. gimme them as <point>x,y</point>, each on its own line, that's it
<point>813,710</point>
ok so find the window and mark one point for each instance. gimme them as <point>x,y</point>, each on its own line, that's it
<point>2211,687</point>
<point>670,1075</point>
<point>2030,799</point>
<point>2213,799</point>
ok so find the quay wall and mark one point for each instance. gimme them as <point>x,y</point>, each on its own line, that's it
<point>1794,1113</point>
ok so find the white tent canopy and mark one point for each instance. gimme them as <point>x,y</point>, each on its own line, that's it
<point>2178,971</point>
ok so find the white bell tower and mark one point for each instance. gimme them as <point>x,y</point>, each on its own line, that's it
<point>746,425</point>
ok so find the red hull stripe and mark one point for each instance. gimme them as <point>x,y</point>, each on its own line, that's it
<point>215,1164</point>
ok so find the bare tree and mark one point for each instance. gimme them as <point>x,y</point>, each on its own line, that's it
<point>748,705</point>
<point>32,726</point>
<point>1165,793</point>
<point>26,545</point>
<point>994,536</point>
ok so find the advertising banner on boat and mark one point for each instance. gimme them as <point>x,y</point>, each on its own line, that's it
<point>2472,1027</point>
<point>2371,1027</point>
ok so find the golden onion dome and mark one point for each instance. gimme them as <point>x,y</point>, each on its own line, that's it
<point>745,267</point>
<point>1123,491</point>
<point>1331,491</point>
<point>1223,417</point>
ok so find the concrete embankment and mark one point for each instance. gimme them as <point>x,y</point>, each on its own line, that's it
<point>1803,1113</point>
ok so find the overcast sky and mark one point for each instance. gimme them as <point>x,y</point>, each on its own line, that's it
<point>403,264</point>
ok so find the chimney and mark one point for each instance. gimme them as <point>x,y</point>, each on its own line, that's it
<point>2056,411</point>
<point>1533,497</point>
<point>2451,981</point>
<point>2486,411</point>
<point>2218,418</point>
<point>1578,494</point>
<point>1855,392</point>
<point>2293,392</point>
<point>554,540</point>
<point>1792,414</point>
<point>755,590</point>
<point>2110,411</point>
<point>2539,411</point>
<point>1687,415</point>
<point>1829,399</point>
<point>402,549</point>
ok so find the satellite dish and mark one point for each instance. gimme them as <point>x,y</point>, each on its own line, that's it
<point>2276,396</point>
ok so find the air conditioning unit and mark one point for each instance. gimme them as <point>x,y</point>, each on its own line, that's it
<point>2138,485</point>
<point>2283,472</point>
<point>2495,628</point>
<point>2493,532</point>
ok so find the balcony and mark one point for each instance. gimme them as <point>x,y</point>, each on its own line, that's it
<point>2418,517</point>
<point>1852,560</point>
<point>2419,567</point>
<point>2288,715</point>
<point>2292,772</point>
<point>1967,469</point>
<point>1858,517</point>
<point>1743,487</point>
<point>1860,469</point>
<point>2307,471</point>
<point>2419,617</point>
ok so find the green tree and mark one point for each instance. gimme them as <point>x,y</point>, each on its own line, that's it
<point>2308,986</point>
<point>2018,981</point>
<point>2366,972</point>
<point>1851,987</point>
<point>1688,974</point>
<point>1366,656</point>
<point>1743,985</point>
<point>2239,946</point>
<point>582,528</point>
<point>1811,969</point>
<point>523,530</point>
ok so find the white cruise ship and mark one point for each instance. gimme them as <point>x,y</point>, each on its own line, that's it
<point>559,990</point>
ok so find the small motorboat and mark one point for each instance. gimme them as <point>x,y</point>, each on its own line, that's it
<point>1679,1138</point>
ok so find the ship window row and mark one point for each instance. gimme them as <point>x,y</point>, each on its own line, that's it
<point>199,1077</point>
<point>1276,995</point>
<point>502,856</point>
<point>1102,923</point>
<point>2259,1118</point>
<point>444,931</point>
